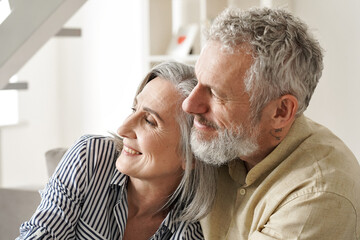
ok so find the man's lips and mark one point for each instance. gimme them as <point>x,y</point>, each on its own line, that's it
<point>203,125</point>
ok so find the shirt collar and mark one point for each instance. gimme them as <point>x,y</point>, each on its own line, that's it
<point>119,179</point>
<point>298,132</point>
<point>169,223</point>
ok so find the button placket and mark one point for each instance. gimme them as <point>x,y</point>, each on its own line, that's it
<point>242,191</point>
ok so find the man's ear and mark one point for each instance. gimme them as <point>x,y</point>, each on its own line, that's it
<point>285,110</point>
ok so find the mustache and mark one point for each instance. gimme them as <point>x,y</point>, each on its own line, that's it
<point>201,119</point>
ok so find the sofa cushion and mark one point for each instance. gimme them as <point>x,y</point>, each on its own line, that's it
<point>52,158</point>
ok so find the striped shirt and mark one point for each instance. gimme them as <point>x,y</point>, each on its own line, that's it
<point>86,198</point>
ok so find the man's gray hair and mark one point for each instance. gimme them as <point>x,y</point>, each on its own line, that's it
<point>287,59</point>
<point>194,196</point>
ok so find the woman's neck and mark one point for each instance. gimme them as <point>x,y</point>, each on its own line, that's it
<point>145,198</point>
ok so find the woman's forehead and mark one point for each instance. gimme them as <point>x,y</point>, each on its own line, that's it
<point>159,93</point>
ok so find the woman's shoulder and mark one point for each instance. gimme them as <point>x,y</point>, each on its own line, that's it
<point>95,144</point>
<point>89,152</point>
<point>92,138</point>
<point>98,147</point>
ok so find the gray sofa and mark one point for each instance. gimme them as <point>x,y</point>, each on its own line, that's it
<point>18,205</point>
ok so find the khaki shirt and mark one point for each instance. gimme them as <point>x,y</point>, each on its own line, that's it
<point>307,188</point>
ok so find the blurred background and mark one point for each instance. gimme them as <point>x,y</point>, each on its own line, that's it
<point>85,83</point>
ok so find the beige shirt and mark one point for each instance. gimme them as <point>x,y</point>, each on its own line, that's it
<point>307,188</point>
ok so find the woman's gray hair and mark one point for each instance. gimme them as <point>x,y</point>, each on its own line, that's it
<point>194,196</point>
<point>287,59</point>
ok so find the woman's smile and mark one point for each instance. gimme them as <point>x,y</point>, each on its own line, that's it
<point>129,151</point>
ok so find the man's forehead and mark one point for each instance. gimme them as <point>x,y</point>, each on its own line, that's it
<point>213,58</point>
<point>223,72</point>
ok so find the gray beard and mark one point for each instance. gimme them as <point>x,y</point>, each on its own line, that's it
<point>225,147</point>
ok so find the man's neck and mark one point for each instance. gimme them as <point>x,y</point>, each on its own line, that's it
<point>252,161</point>
<point>266,146</point>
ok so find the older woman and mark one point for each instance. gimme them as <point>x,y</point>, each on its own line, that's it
<point>144,184</point>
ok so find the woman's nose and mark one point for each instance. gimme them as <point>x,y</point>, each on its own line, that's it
<point>196,102</point>
<point>127,129</point>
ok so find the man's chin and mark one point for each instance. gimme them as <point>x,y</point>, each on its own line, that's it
<point>218,147</point>
<point>205,135</point>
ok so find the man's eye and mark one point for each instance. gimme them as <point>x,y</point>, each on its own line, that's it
<point>217,98</point>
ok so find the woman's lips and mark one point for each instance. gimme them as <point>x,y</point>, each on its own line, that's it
<point>129,150</point>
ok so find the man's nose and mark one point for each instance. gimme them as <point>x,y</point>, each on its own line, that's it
<point>197,102</point>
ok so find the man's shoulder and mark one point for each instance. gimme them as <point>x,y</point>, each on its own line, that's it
<point>322,145</point>
<point>310,139</point>
<point>321,163</point>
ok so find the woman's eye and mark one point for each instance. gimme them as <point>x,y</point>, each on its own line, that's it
<point>147,117</point>
<point>214,94</point>
<point>150,121</point>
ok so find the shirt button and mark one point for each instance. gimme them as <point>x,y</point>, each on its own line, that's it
<point>242,191</point>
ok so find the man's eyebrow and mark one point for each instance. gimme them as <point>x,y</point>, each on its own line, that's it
<point>211,88</point>
<point>146,109</point>
<point>215,90</point>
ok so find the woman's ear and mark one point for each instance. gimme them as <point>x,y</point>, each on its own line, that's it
<point>285,110</point>
<point>183,164</point>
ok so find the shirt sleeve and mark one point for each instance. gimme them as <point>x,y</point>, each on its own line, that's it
<point>321,215</point>
<point>60,207</point>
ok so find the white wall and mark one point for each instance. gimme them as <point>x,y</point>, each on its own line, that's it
<point>102,70</point>
<point>23,146</point>
<point>335,102</point>
<point>86,85</point>
<point>76,86</point>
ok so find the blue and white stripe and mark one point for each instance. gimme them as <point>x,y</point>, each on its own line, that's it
<point>86,199</point>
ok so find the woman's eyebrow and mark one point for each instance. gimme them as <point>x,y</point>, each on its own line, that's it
<point>146,109</point>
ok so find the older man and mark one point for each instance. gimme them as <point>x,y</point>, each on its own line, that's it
<point>283,176</point>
